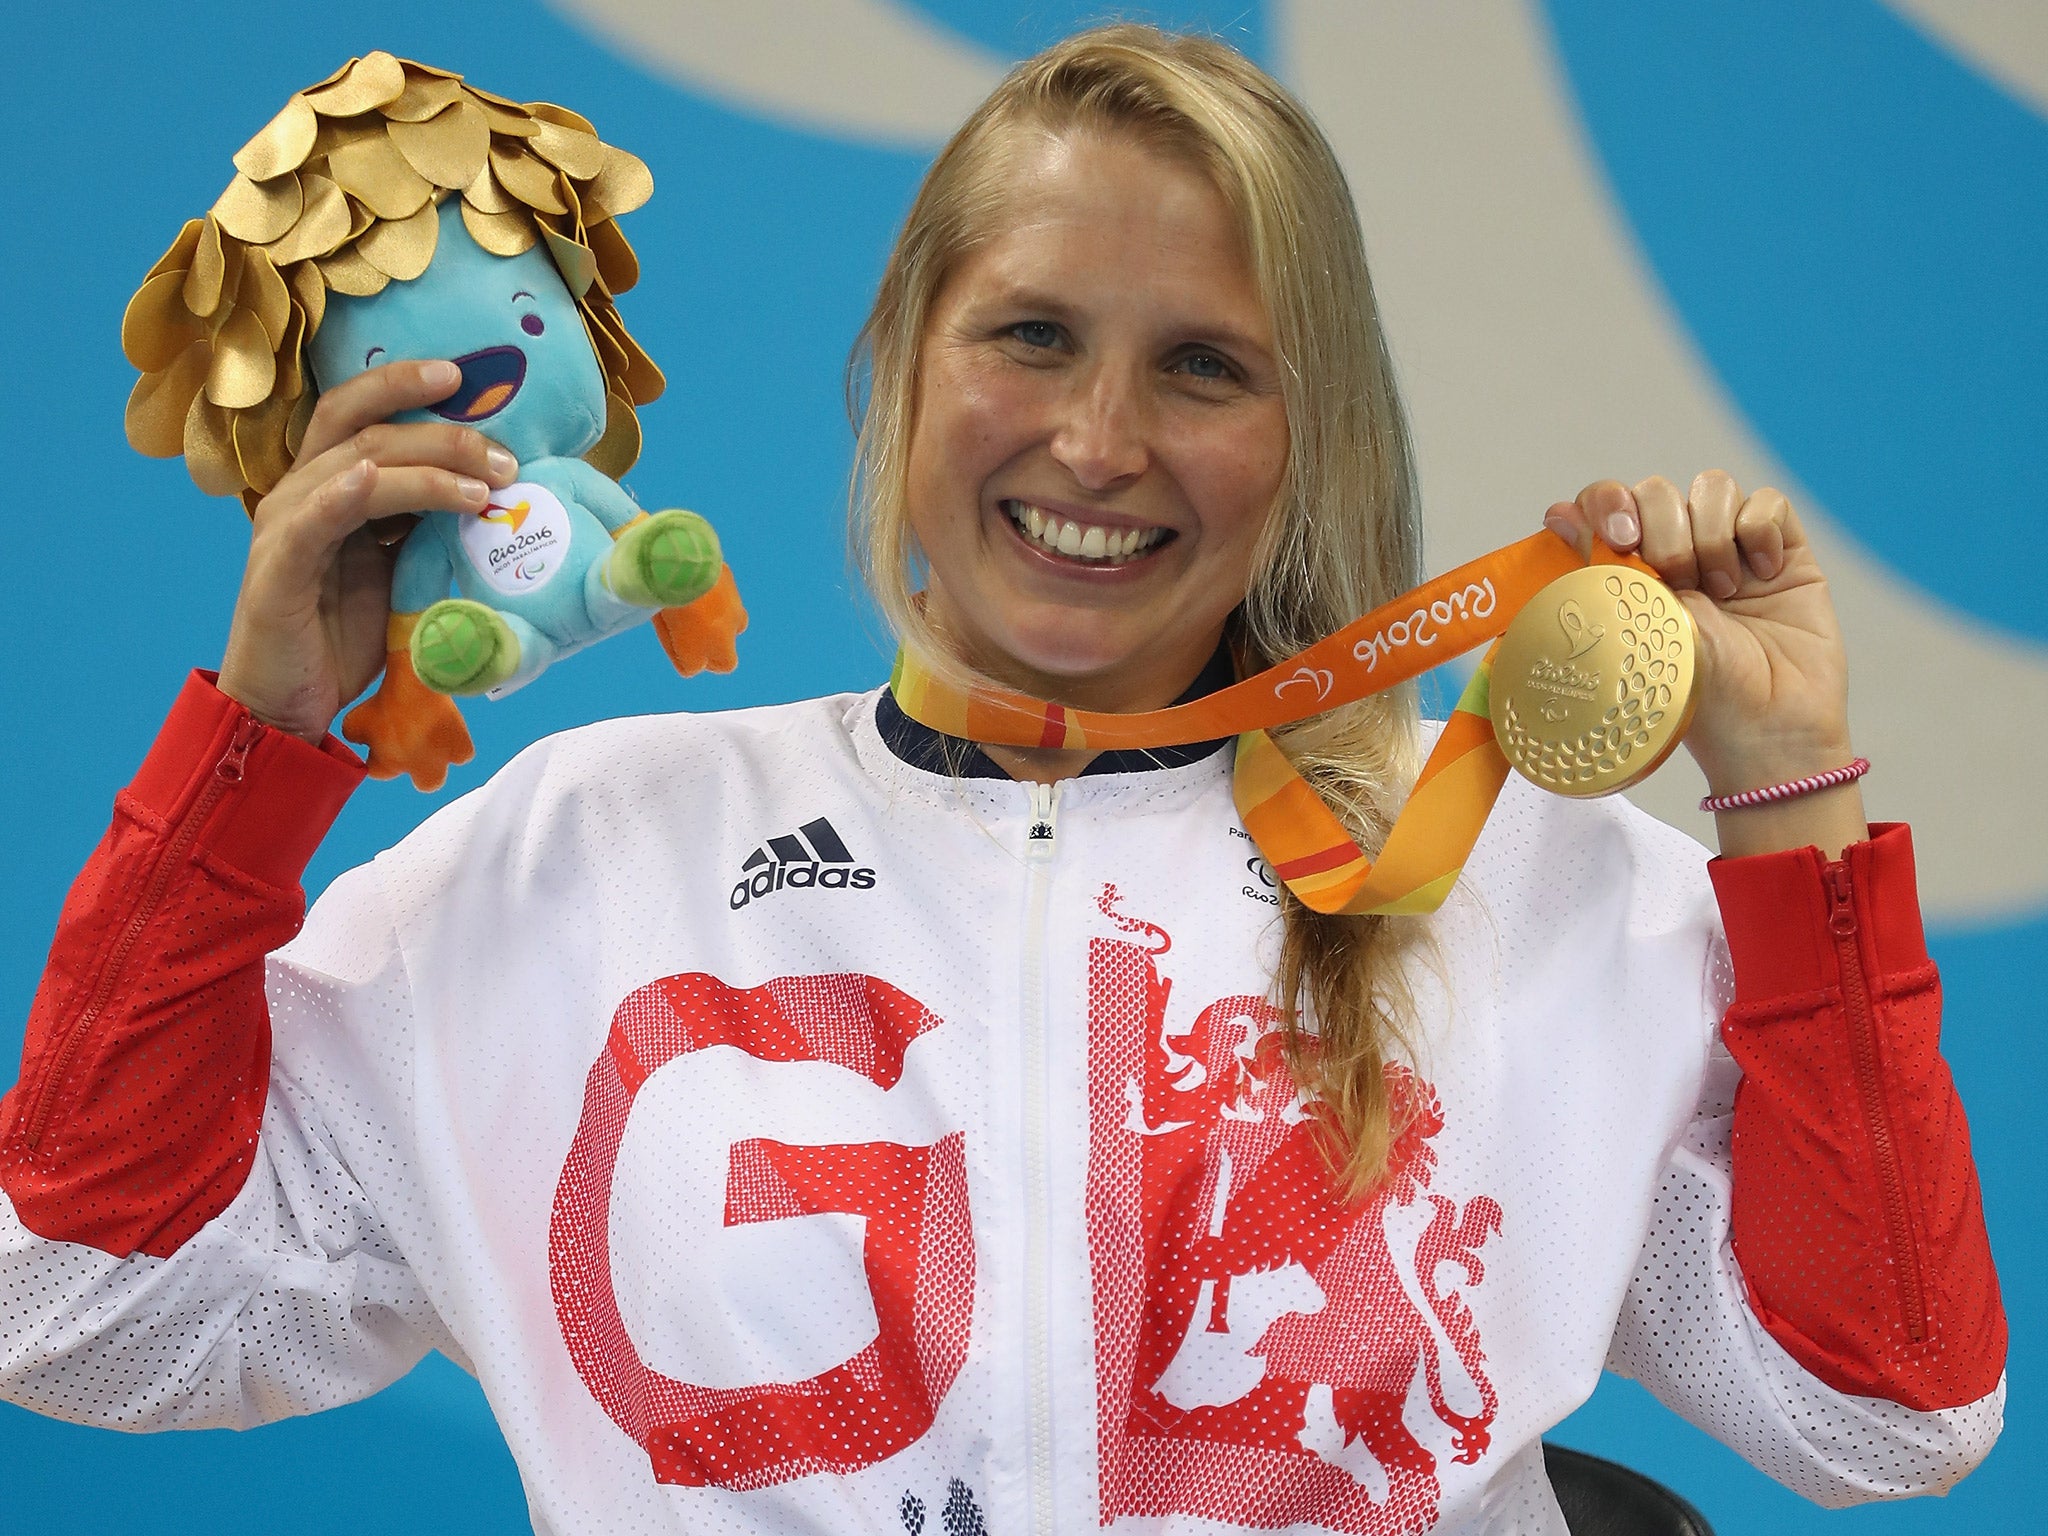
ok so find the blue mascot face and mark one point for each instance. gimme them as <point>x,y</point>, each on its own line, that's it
<point>529,377</point>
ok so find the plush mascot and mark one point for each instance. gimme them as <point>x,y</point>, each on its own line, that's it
<point>391,212</point>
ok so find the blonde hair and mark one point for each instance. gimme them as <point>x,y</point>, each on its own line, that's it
<point>341,190</point>
<point>1343,536</point>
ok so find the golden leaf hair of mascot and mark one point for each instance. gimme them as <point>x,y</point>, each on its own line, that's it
<point>340,191</point>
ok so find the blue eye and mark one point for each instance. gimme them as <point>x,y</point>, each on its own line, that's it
<point>370,357</point>
<point>1036,333</point>
<point>1206,365</point>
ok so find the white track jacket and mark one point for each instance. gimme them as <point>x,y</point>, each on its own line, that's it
<point>795,1140</point>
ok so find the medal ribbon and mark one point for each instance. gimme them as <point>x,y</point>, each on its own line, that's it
<point>1300,836</point>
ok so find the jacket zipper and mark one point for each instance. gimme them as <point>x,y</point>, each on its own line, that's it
<point>227,773</point>
<point>1863,1053</point>
<point>1041,841</point>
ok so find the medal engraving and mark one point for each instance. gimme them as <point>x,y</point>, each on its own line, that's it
<point>1593,684</point>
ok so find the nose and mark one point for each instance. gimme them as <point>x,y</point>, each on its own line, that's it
<point>1100,438</point>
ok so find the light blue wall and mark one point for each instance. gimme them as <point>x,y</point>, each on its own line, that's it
<point>1888,349</point>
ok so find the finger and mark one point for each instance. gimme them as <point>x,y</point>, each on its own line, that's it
<point>1715,498</point>
<point>1667,533</point>
<point>289,557</point>
<point>1569,523</point>
<point>1609,507</point>
<point>395,445</point>
<point>1795,531</point>
<point>1760,533</point>
<point>298,553</point>
<point>416,488</point>
<point>372,396</point>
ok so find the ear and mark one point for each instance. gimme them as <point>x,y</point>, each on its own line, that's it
<point>575,262</point>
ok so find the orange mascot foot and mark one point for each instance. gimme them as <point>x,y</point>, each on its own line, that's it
<point>700,635</point>
<point>408,727</point>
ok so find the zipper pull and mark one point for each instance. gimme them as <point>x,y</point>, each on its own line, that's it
<point>1043,834</point>
<point>1841,906</point>
<point>235,760</point>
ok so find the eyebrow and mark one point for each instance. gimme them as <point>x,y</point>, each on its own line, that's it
<point>1031,298</point>
<point>522,294</point>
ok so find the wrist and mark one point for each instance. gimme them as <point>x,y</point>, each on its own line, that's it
<point>300,722</point>
<point>1780,760</point>
<point>1828,819</point>
<point>1788,789</point>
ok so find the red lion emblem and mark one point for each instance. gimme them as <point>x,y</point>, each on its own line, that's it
<point>1258,1339</point>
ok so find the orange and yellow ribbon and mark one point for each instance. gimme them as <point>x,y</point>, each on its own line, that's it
<point>1298,834</point>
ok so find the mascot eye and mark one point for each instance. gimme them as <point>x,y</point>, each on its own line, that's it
<point>370,356</point>
<point>533,325</point>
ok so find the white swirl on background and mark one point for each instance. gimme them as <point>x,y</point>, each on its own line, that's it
<point>871,70</point>
<point>2003,40</point>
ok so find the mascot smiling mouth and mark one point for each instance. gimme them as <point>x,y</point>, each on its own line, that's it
<point>490,379</point>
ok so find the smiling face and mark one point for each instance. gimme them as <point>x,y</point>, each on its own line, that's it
<point>1099,433</point>
<point>529,377</point>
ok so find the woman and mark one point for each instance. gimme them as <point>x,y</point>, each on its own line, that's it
<point>1161,1208</point>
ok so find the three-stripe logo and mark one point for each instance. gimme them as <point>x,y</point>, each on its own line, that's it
<point>814,857</point>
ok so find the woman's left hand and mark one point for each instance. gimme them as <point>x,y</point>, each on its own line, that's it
<point>1773,676</point>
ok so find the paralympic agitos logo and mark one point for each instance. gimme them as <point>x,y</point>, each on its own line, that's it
<point>812,858</point>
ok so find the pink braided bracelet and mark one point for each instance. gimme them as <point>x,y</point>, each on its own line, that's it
<point>1792,789</point>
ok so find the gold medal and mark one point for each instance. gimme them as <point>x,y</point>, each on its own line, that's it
<point>1593,685</point>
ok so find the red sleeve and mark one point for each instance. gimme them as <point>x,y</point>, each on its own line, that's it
<point>143,1075</point>
<point>1857,1221</point>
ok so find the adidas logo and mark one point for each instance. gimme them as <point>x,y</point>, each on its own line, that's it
<point>810,857</point>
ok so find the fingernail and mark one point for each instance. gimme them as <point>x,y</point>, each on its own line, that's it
<point>501,462</point>
<point>442,375</point>
<point>1621,528</point>
<point>472,490</point>
<point>1767,565</point>
<point>1719,585</point>
<point>1561,527</point>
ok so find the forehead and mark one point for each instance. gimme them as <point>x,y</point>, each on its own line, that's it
<point>1090,209</point>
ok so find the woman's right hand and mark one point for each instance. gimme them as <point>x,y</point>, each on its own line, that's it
<point>309,625</point>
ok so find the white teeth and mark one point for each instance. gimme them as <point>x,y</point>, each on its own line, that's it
<point>1066,537</point>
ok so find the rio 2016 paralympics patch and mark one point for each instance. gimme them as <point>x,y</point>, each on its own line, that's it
<point>520,540</point>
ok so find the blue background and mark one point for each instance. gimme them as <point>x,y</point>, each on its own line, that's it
<point>1886,343</point>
